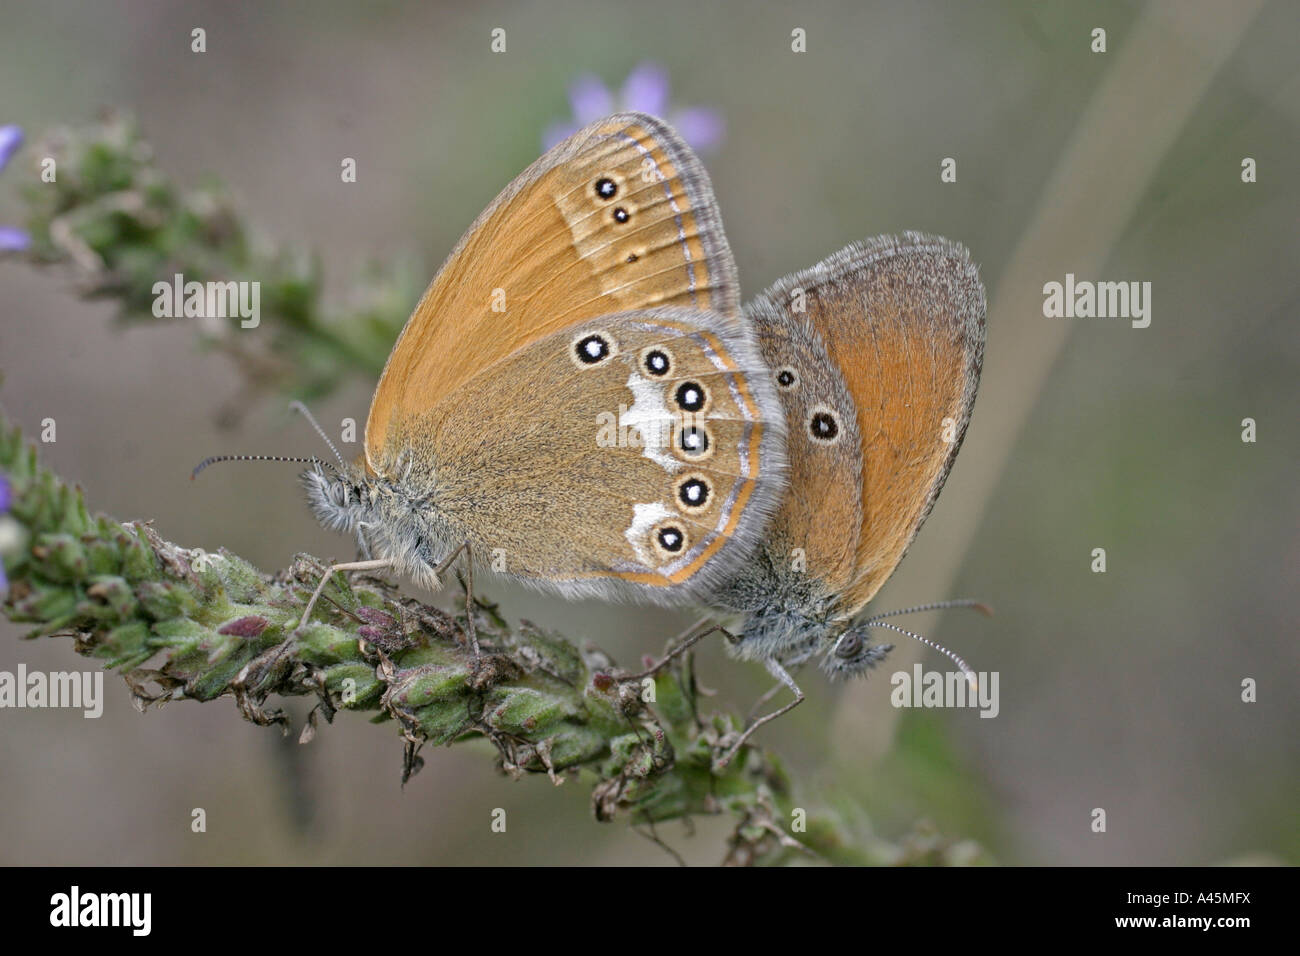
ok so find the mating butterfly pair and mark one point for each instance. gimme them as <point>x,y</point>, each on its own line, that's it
<point>773,461</point>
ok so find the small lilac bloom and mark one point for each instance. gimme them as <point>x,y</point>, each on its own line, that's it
<point>703,128</point>
<point>11,137</point>
<point>12,239</point>
<point>6,496</point>
<point>645,91</point>
<point>589,99</point>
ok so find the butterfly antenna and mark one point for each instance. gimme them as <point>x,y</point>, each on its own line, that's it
<point>936,606</point>
<point>313,460</point>
<point>965,668</point>
<point>300,407</point>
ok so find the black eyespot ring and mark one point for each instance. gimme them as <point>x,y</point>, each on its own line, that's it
<point>671,538</point>
<point>593,348</point>
<point>656,362</point>
<point>787,379</point>
<point>824,426</point>
<point>621,214</point>
<point>693,441</point>
<point>694,493</point>
<point>691,396</point>
<point>606,188</point>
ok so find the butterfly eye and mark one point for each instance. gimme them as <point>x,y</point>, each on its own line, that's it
<point>853,656</point>
<point>593,348</point>
<point>824,426</point>
<point>657,362</point>
<point>787,379</point>
<point>606,188</point>
<point>693,493</point>
<point>693,441</point>
<point>691,396</point>
<point>669,540</point>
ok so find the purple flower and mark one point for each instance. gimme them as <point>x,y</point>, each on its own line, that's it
<point>646,91</point>
<point>11,137</point>
<point>12,239</point>
<point>6,496</point>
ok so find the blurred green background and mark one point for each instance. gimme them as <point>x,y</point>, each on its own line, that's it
<point>1118,690</point>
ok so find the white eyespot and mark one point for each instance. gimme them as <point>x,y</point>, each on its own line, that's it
<point>693,493</point>
<point>692,439</point>
<point>656,361</point>
<point>691,396</point>
<point>605,188</point>
<point>669,540</point>
<point>787,378</point>
<point>589,349</point>
<point>823,424</point>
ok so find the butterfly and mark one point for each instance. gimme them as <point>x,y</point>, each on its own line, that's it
<point>876,355</point>
<point>576,401</point>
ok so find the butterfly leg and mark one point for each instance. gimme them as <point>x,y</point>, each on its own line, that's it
<point>372,565</point>
<point>469,592</point>
<point>681,644</point>
<point>790,665</point>
<point>758,704</point>
<point>781,674</point>
<point>363,546</point>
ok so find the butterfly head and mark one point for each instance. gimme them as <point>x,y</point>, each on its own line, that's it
<point>853,654</point>
<point>392,519</point>
<point>343,499</point>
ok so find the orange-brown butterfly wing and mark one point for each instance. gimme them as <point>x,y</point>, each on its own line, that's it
<point>565,465</point>
<point>902,319</point>
<point>815,532</point>
<point>620,216</point>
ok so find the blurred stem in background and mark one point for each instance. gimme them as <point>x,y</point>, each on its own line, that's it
<point>1160,74</point>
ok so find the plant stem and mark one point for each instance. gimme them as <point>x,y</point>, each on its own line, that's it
<point>181,624</point>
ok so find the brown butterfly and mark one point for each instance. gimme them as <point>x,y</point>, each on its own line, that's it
<point>575,401</point>
<point>876,355</point>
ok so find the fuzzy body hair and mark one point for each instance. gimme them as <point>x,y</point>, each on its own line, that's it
<point>393,520</point>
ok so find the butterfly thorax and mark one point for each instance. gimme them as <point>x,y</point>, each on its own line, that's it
<point>396,520</point>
